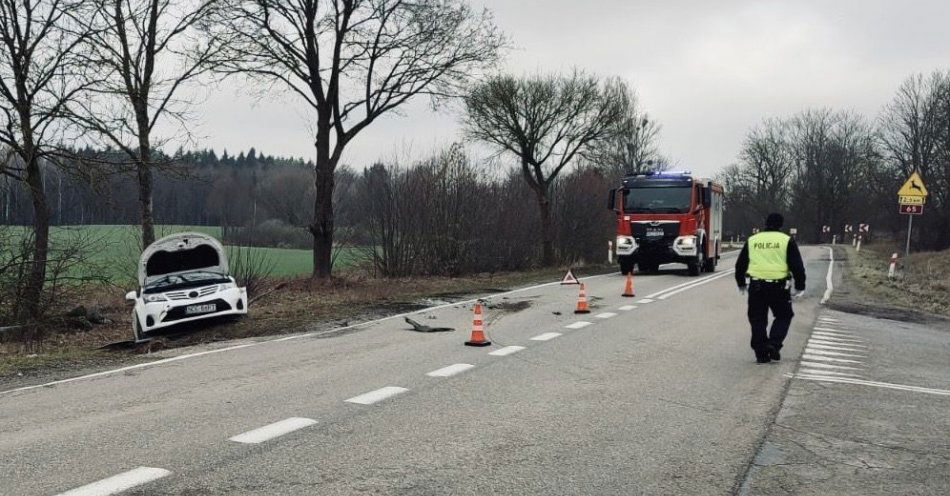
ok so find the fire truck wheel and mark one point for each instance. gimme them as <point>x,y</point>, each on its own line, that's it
<point>695,267</point>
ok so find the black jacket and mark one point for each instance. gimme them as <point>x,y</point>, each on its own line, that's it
<point>793,257</point>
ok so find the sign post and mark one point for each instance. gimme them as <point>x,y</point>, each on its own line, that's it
<point>912,196</point>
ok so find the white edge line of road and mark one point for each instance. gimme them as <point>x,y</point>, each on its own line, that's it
<point>829,286</point>
<point>861,382</point>
<point>271,431</point>
<point>696,283</point>
<point>119,483</point>
<point>286,338</point>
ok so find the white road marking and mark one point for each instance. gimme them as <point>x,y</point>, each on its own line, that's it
<point>827,372</point>
<point>836,339</point>
<point>829,329</point>
<point>378,395</point>
<point>507,350</point>
<point>818,365</point>
<point>687,283</point>
<point>120,482</point>
<point>697,283</point>
<point>852,347</point>
<point>605,315</point>
<point>546,336</point>
<point>823,358</point>
<point>645,300</point>
<point>451,370</point>
<point>298,336</point>
<point>271,431</point>
<point>130,367</point>
<point>579,325</point>
<point>831,353</point>
<point>862,382</point>
<point>828,319</point>
<point>829,286</point>
<point>627,308</point>
<point>831,348</point>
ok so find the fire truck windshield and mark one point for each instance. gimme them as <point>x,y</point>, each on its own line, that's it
<point>663,200</point>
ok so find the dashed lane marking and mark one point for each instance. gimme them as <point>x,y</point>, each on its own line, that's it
<point>627,308</point>
<point>507,350</point>
<point>645,300</point>
<point>271,431</point>
<point>862,382</point>
<point>546,336</point>
<point>822,358</point>
<point>818,365</point>
<point>605,315</point>
<point>376,396</point>
<point>120,482</point>
<point>451,370</point>
<point>579,325</point>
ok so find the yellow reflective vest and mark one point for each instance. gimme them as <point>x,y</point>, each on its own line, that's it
<point>768,255</point>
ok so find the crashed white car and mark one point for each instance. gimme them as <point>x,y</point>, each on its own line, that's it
<point>183,278</point>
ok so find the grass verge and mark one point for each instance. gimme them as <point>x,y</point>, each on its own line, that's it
<point>921,284</point>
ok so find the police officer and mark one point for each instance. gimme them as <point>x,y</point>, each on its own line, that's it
<point>769,258</point>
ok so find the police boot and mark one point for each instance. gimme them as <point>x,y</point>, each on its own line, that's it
<point>762,356</point>
<point>774,355</point>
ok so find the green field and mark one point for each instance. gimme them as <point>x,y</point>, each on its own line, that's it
<point>112,251</point>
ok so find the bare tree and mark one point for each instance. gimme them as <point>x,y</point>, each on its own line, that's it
<point>352,61</point>
<point>634,147</point>
<point>145,53</point>
<point>546,121</point>
<point>37,78</point>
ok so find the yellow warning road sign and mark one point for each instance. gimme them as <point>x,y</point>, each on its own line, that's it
<point>913,187</point>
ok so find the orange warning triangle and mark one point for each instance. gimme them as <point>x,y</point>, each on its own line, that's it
<point>569,278</point>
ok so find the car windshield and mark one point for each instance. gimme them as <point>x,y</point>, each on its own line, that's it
<point>667,200</point>
<point>185,279</point>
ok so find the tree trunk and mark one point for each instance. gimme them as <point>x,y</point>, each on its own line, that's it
<point>144,170</point>
<point>33,289</point>
<point>322,226</point>
<point>547,228</point>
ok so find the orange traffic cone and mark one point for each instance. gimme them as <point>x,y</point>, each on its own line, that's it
<point>478,329</point>
<point>628,288</point>
<point>582,300</point>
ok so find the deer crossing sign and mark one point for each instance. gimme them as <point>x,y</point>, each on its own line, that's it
<point>913,192</point>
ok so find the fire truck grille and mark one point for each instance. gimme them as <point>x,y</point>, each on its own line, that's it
<point>646,232</point>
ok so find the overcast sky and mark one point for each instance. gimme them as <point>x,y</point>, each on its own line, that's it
<point>706,70</point>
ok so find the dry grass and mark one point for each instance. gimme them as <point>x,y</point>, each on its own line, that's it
<point>298,303</point>
<point>922,282</point>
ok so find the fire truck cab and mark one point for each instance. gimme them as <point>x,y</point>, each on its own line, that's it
<point>668,217</point>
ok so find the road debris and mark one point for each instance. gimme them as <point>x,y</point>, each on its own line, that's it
<point>424,328</point>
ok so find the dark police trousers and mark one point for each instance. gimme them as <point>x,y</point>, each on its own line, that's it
<point>765,296</point>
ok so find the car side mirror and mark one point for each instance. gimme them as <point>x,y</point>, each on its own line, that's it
<point>707,197</point>
<point>612,200</point>
<point>131,296</point>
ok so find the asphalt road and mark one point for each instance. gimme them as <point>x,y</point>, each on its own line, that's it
<point>659,394</point>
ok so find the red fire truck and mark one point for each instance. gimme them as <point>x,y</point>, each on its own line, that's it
<point>668,217</point>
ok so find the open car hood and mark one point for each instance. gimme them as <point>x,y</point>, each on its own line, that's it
<point>181,252</point>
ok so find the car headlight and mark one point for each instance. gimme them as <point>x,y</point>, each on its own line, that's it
<point>624,241</point>
<point>155,298</point>
<point>227,285</point>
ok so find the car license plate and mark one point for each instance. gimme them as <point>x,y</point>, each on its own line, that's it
<point>196,309</point>
<point>654,232</point>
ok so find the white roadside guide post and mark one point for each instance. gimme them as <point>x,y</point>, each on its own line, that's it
<point>857,247</point>
<point>893,268</point>
<point>610,252</point>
